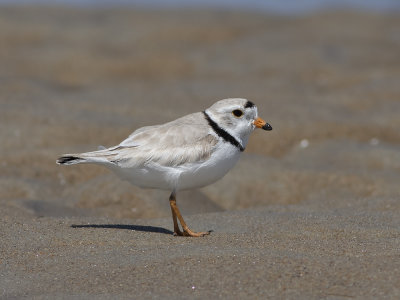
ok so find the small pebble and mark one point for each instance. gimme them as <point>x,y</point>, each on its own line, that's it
<point>304,143</point>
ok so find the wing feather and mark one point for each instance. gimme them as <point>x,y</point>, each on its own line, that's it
<point>185,140</point>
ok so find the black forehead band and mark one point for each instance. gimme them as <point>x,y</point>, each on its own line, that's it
<point>249,104</point>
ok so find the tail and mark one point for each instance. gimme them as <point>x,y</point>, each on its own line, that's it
<point>70,160</point>
<point>103,156</point>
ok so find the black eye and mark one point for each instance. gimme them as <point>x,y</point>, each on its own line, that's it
<point>237,113</point>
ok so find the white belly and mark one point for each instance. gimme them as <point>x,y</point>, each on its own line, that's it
<point>185,176</point>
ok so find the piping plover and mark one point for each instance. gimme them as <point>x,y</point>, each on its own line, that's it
<point>190,152</point>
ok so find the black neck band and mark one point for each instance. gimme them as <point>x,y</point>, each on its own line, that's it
<point>222,133</point>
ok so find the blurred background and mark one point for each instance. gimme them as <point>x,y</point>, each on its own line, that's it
<point>78,74</point>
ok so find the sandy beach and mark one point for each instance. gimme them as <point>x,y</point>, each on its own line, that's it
<point>311,211</point>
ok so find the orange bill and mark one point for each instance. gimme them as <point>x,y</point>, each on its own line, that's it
<point>260,123</point>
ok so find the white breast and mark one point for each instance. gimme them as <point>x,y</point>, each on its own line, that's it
<point>210,171</point>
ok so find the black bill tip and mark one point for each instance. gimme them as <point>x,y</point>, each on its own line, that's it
<point>267,127</point>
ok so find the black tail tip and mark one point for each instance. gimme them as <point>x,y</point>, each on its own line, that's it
<point>65,160</point>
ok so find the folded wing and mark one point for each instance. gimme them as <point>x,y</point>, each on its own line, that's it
<point>185,140</point>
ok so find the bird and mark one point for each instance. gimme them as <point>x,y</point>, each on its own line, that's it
<point>190,152</point>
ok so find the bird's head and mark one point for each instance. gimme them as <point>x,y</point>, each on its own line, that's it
<point>237,116</point>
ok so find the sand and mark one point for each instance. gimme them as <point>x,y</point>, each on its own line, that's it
<point>311,211</point>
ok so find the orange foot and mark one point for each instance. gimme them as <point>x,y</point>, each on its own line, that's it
<point>176,215</point>
<point>188,232</point>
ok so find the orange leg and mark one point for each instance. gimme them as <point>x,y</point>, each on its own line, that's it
<point>176,215</point>
<point>172,203</point>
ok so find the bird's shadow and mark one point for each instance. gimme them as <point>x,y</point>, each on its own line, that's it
<point>128,227</point>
